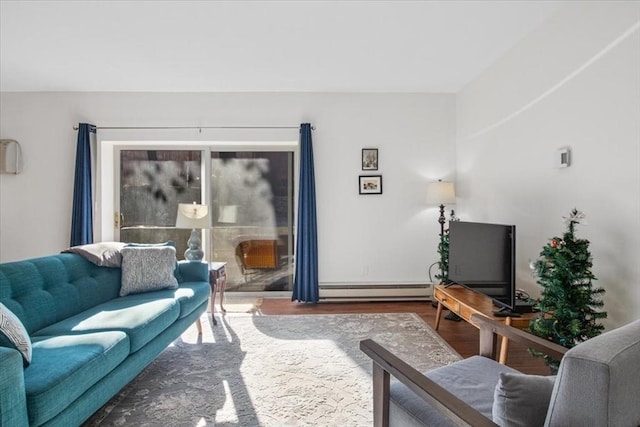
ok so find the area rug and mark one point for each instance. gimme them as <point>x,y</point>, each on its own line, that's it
<point>279,371</point>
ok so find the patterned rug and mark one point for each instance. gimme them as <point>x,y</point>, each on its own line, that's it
<point>272,371</point>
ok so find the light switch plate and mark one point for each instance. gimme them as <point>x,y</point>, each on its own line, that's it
<point>562,158</point>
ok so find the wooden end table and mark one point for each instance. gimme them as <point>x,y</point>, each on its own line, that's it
<point>465,303</point>
<point>218,282</point>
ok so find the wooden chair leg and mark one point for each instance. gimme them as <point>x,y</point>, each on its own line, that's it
<point>504,346</point>
<point>381,382</point>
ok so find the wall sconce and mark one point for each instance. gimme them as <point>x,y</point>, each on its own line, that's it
<point>10,157</point>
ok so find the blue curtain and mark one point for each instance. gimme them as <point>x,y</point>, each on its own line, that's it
<point>305,286</point>
<point>82,216</point>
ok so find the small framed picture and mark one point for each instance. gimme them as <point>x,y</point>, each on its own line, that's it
<point>370,184</point>
<point>369,159</point>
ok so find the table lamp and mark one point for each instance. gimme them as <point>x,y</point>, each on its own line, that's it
<point>193,216</point>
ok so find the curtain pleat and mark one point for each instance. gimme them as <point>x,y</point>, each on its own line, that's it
<point>82,214</point>
<point>305,287</point>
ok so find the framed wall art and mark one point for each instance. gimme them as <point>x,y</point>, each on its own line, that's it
<point>369,159</point>
<point>370,184</point>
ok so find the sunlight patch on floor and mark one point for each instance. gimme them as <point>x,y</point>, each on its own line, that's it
<point>227,414</point>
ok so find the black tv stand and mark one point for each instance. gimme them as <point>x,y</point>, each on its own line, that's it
<point>521,307</point>
<point>505,312</point>
<point>524,307</point>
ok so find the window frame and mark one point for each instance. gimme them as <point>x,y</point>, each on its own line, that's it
<point>107,201</point>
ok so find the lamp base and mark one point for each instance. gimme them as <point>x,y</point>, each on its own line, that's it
<point>194,251</point>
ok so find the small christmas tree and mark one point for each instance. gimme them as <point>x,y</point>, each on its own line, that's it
<point>568,302</point>
<point>443,251</point>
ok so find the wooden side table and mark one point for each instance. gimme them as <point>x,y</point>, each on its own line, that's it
<point>464,302</point>
<point>218,282</point>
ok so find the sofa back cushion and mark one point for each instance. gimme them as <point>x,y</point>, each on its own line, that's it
<point>43,291</point>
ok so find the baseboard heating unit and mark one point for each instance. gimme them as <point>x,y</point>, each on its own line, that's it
<point>345,292</point>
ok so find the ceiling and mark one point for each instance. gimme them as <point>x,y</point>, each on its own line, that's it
<point>231,46</point>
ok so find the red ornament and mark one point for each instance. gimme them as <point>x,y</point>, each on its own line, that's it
<point>554,244</point>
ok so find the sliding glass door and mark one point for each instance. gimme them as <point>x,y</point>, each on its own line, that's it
<point>252,204</point>
<point>152,183</point>
<point>251,200</point>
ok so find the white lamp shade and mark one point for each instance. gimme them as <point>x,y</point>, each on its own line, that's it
<point>193,216</point>
<point>441,193</point>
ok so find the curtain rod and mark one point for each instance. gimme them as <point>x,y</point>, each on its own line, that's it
<point>76,127</point>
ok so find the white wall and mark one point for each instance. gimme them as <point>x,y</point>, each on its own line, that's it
<point>573,82</point>
<point>389,238</point>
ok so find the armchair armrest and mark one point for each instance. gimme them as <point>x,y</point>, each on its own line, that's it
<point>385,364</point>
<point>490,328</point>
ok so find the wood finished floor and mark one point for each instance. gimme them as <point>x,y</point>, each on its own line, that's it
<point>460,335</point>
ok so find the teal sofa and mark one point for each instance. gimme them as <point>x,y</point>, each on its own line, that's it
<point>87,341</point>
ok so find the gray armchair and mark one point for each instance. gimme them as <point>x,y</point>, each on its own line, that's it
<point>598,384</point>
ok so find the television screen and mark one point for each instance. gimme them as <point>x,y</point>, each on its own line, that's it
<point>482,258</point>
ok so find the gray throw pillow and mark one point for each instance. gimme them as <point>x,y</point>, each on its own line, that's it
<point>104,254</point>
<point>13,334</point>
<point>521,400</point>
<point>171,243</point>
<point>147,268</point>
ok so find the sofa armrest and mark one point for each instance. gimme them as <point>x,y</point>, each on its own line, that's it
<point>13,400</point>
<point>190,271</point>
<point>386,364</point>
<point>490,328</point>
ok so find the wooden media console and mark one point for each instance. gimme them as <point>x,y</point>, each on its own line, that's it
<point>465,303</point>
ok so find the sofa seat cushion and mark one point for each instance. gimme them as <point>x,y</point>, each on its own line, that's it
<point>141,316</point>
<point>190,295</point>
<point>64,367</point>
<point>472,380</point>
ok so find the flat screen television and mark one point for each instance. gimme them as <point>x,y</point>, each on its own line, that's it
<point>482,258</point>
